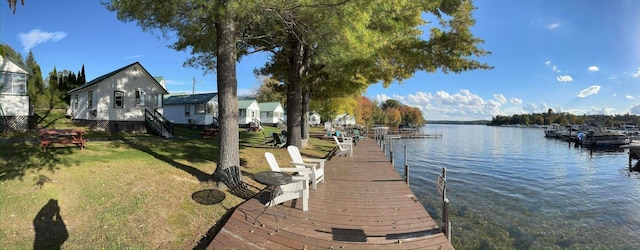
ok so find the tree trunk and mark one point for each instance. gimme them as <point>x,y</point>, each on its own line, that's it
<point>294,92</point>
<point>305,94</point>
<point>226,54</point>
<point>306,98</point>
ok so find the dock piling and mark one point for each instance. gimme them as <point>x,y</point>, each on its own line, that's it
<point>406,166</point>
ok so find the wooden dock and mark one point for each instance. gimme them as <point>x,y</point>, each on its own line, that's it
<point>363,203</point>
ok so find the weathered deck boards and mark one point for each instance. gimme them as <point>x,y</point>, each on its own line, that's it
<point>363,203</point>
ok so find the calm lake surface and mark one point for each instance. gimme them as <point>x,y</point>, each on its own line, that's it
<point>514,188</point>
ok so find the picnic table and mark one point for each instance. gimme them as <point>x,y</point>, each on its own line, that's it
<point>209,132</point>
<point>61,136</point>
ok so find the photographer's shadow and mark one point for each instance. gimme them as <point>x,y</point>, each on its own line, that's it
<point>51,231</point>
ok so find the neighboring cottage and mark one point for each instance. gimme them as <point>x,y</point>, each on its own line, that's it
<point>249,112</point>
<point>314,118</point>
<point>196,109</point>
<point>124,100</point>
<point>271,113</point>
<point>14,100</point>
<point>344,120</point>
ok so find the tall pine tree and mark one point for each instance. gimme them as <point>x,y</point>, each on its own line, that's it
<point>35,85</point>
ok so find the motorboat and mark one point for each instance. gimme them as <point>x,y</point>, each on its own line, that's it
<point>606,138</point>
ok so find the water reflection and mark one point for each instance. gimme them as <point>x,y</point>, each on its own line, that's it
<point>51,232</point>
<point>513,188</point>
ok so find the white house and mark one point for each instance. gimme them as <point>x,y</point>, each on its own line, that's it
<point>249,110</point>
<point>118,101</point>
<point>14,100</point>
<point>271,113</point>
<point>344,120</point>
<point>196,109</point>
<point>314,118</point>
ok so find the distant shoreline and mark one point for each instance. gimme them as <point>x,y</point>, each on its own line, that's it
<point>476,122</point>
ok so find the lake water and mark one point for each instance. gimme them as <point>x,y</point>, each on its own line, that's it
<point>513,188</point>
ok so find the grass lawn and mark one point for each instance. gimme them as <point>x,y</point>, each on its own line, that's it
<point>122,191</point>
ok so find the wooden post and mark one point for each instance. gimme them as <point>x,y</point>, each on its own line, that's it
<point>406,166</point>
<point>391,151</point>
<point>447,223</point>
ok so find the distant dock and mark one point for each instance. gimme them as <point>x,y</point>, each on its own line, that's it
<point>402,133</point>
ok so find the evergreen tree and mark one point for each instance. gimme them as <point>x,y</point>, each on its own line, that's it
<point>82,79</point>
<point>35,85</point>
<point>11,53</point>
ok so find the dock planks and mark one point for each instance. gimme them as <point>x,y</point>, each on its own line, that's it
<point>363,203</point>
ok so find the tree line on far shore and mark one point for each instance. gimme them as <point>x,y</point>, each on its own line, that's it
<point>563,118</point>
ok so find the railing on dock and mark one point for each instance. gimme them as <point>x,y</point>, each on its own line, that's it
<point>441,183</point>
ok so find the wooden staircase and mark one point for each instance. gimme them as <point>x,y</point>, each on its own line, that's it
<point>158,124</point>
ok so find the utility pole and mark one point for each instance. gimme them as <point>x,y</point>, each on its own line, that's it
<point>193,88</point>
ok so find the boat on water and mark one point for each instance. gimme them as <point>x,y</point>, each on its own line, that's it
<point>553,131</point>
<point>605,138</point>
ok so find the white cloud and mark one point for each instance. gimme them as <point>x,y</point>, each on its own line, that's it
<point>555,68</point>
<point>600,111</point>
<point>516,100</point>
<point>533,108</point>
<point>463,97</point>
<point>36,36</point>
<point>173,82</point>
<point>564,79</point>
<point>530,107</point>
<point>593,68</point>
<point>628,97</point>
<point>132,57</point>
<point>637,74</point>
<point>500,98</point>
<point>552,26</point>
<point>589,91</point>
<point>635,109</point>
<point>381,98</point>
<point>547,63</point>
<point>420,100</point>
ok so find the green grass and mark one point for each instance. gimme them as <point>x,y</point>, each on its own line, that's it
<point>130,191</point>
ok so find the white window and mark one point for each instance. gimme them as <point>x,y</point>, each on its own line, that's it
<point>140,97</point>
<point>76,102</point>
<point>159,100</point>
<point>200,108</point>
<point>90,100</point>
<point>118,99</point>
<point>13,83</point>
<point>187,111</point>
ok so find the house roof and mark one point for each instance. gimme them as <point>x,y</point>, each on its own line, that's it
<point>18,64</point>
<point>269,106</point>
<point>189,99</point>
<point>244,104</point>
<point>107,75</point>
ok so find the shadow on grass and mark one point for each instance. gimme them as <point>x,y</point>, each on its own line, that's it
<point>51,232</point>
<point>173,151</point>
<point>21,157</point>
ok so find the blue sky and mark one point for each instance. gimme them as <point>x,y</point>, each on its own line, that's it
<point>577,56</point>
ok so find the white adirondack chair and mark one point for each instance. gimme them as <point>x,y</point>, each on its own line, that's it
<point>298,189</point>
<point>316,165</point>
<point>343,148</point>
<point>347,140</point>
